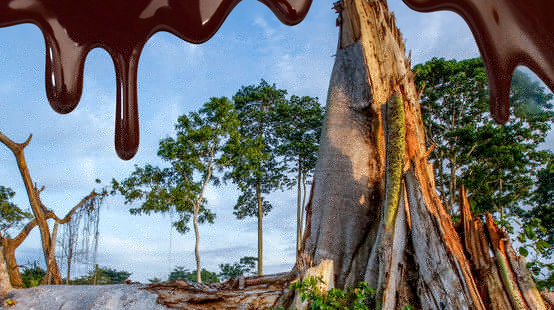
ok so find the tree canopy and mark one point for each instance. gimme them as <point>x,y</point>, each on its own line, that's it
<point>297,122</point>
<point>103,276</point>
<point>498,164</point>
<point>255,167</point>
<point>11,215</point>
<point>194,155</point>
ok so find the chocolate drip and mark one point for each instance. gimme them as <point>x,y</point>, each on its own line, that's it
<point>509,33</point>
<point>71,28</point>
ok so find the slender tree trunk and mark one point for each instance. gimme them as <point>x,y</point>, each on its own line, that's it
<point>299,208</point>
<point>260,228</point>
<point>303,207</point>
<point>453,187</point>
<point>196,246</point>
<point>52,255</point>
<point>69,259</point>
<point>195,215</point>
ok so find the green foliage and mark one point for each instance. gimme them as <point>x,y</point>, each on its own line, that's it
<point>543,273</point>
<point>496,163</point>
<point>245,266</point>
<point>193,155</point>
<point>32,275</point>
<point>298,122</point>
<point>361,297</point>
<point>180,273</point>
<point>11,215</point>
<point>155,280</point>
<point>543,212</point>
<point>255,167</point>
<point>102,276</point>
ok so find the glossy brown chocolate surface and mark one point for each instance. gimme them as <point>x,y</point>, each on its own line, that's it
<point>71,28</point>
<point>509,33</point>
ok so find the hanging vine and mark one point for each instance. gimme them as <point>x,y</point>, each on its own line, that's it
<point>79,243</point>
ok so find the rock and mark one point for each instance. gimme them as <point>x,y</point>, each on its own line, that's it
<point>85,297</point>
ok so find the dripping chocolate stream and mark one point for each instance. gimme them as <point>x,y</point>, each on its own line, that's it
<point>508,33</point>
<point>72,28</point>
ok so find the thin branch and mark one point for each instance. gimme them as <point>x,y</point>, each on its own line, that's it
<point>69,214</point>
<point>14,146</point>
<point>24,144</point>
<point>27,229</point>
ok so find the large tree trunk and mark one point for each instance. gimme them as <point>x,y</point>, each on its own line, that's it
<point>375,208</point>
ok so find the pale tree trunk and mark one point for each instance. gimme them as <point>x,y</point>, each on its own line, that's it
<point>195,214</point>
<point>196,247</point>
<point>375,210</point>
<point>302,212</point>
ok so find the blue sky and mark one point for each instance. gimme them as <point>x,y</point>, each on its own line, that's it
<point>68,152</point>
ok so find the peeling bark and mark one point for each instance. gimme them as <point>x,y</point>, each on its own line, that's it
<point>503,279</point>
<point>484,269</point>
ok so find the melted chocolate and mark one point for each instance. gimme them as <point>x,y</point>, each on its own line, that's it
<point>509,33</point>
<point>71,28</point>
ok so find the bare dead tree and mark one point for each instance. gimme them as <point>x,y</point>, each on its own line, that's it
<point>41,215</point>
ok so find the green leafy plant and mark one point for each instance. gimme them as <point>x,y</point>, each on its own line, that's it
<point>180,273</point>
<point>245,266</point>
<point>32,275</point>
<point>102,276</point>
<point>361,297</point>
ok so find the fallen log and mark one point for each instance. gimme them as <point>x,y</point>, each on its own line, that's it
<point>260,292</point>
